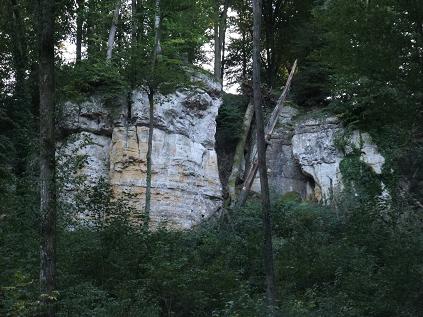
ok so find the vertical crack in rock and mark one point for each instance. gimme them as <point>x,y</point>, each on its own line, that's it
<point>187,187</point>
<point>303,157</point>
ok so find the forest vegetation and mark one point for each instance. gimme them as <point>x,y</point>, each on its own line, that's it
<point>361,60</point>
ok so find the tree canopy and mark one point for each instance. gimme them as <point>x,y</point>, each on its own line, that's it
<point>360,60</point>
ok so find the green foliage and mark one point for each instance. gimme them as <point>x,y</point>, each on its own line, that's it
<point>372,88</point>
<point>167,75</point>
<point>19,245</point>
<point>289,197</point>
<point>184,28</point>
<point>361,259</point>
<point>347,266</point>
<point>230,120</point>
<point>345,262</point>
<point>87,79</point>
<point>360,179</point>
<point>373,49</point>
<point>310,87</point>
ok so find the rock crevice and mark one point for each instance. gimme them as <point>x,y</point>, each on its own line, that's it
<point>303,156</point>
<point>185,181</point>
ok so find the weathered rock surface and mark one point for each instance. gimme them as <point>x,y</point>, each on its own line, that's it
<point>314,149</point>
<point>185,181</point>
<point>89,116</point>
<point>284,171</point>
<point>83,159</point>
<point>303,156</point>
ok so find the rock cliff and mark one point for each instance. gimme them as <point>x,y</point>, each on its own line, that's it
<point>304,157</point>
<point>113,144</point>
<point>110,144</point>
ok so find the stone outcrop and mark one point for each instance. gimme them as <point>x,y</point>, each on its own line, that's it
<point>284,171</point>
<point>102,143</point>
<point>303,156</point>
<point>185,181</point>
<point>315,149</point>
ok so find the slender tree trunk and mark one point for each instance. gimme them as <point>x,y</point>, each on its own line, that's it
<point>261,150</point>
<point>140,19</point>
<point>79,25</point>
<point>113,28</point>
<point>90,31</point>
<point>133,22</point>
<point>47,158</point>
<point>157,47</point>
<point>251,171</point>
<point>156,57</point>
<point>222,64</point>
<point>19,50</point>
<point>222,37</point>
<point>239,153</point>
<point>219,38</point>
<point>268,15</point>
<point>134,41</point>
<point>217,49</point>
<point>149,160</point>
<point>244,56</point>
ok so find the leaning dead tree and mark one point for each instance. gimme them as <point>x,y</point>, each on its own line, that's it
<point>252,172</point>
<point>239,153</point>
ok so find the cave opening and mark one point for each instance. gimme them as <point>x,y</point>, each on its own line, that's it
<point>310,187</point>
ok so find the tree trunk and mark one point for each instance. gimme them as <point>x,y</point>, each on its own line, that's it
<point>140,19</point>
<point>244,56</point>
<point>217,49</point>
<point>157,47</point>
<point>219,37</point>
<point>222,63</point>
<point>149,160</point>
<point>79,25</point>
<point>133,22</point>
<point>47,158</point>
<point>261,150</point>
<point>252,170</point>
<point>222,36</point>
<point>156,56</point>
<point>113,29</point>
<point>239,153</point>
<point>270,51</point>
<point>19,50</point>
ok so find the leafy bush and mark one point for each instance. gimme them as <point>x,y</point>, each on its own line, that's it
<point>87,79</point>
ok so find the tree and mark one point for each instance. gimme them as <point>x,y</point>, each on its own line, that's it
<point>113,29</point>
<point>237,59</point>
<point>156,57</point>
<point>19,48</point>
<point>47,158</point>
<point>219,37</point>
<point>79,29</point>
<point>239,153</point>
<point>261,151</point>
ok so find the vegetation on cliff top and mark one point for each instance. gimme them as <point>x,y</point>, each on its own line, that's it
<point>361,60</point>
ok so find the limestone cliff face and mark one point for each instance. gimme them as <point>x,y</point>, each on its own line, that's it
<point>314,147</point>
<point>284,171</point>
<point>110,144</point>
<point>303,156</point>
<point>185,181</point>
